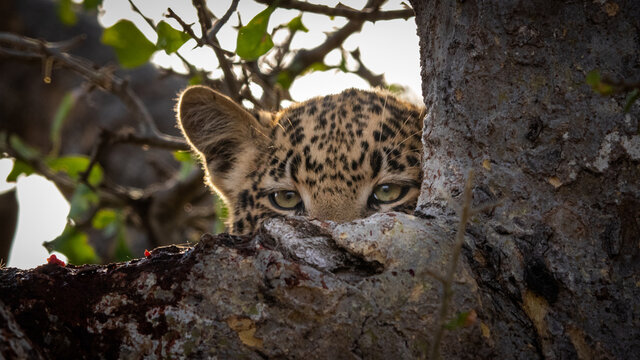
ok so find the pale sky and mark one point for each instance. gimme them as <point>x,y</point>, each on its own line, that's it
<point>388,47</point>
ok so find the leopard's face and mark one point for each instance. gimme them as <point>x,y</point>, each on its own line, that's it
<point>339,157</point>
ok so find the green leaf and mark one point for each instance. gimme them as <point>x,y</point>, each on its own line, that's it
<point>631,98</point>
<point>103,218</point>
<point>131,46</point>
<point>19,167</point>
<point>182,155</point>
<point>82,201</point>
<point>285,79</point>
<point>195,80</point>
<point>343,65</point>
<point>296,25</point>
<point>74,244</point>
<point>91,4</point>
<point>253,39</point>
<point>396,88</point>
<point>170,39</point>
<point>66,14</point>
<point>74,166</point>
<point>61,114</point>
<point>317,66</point>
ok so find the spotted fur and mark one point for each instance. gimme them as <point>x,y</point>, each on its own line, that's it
<point>332,150</point>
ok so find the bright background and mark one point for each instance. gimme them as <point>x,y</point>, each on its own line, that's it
<point>386,47</point>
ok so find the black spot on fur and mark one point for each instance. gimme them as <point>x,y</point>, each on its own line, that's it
<point>243,199</point>
<point>238,226</point>
<point>376,163</point>
<point>222,154</point>
<point>293,168</point>
<point>412,160</point>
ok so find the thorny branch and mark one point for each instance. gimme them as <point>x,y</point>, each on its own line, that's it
<point>367,14</point>
<point>223,20</point>
<point>364,72</point>
<point>204,17</point>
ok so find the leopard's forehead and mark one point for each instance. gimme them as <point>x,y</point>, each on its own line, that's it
<point>335,144</point>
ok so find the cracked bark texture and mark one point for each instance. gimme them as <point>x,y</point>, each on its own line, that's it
<point>552,272</point>
<point>557,263</point>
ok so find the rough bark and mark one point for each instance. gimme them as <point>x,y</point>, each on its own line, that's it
<point>297,290</point>
<point>504,81</point>
<point>552,272</point>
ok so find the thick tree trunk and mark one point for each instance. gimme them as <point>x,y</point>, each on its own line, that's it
<point>557,263</point>
<point>552,272</point>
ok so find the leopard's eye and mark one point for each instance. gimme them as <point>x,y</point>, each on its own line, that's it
<point>286,199</point>
<point>388,193</point>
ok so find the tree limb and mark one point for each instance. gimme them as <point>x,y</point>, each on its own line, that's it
<point>304,58</point>
<point>341,10</point>
<point>27,48</point>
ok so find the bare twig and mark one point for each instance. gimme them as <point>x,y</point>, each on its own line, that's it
<point>148,20</point>
<point>204,17</point>
<point>341,10</point>
<point>185,27</point>
<point>223,20</point>
<point>163,142</point>
<point>447,280</point>
<point>200,41</point>
<point>362,71</point>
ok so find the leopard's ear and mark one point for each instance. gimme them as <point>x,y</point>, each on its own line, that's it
<point>221,131</point>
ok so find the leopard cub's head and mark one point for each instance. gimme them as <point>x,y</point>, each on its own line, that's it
<point>338,157</point>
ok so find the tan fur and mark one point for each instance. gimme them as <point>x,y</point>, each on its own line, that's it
<point>332,150</point>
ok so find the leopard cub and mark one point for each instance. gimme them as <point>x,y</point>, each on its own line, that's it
<point>338,157</point>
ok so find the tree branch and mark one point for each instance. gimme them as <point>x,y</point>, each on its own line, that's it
<point>364,72</point>
<point>204,17</point>
<point>341,10</point>
<point>223,20</point>
<point>304,58</point>
<point>27,48</point>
